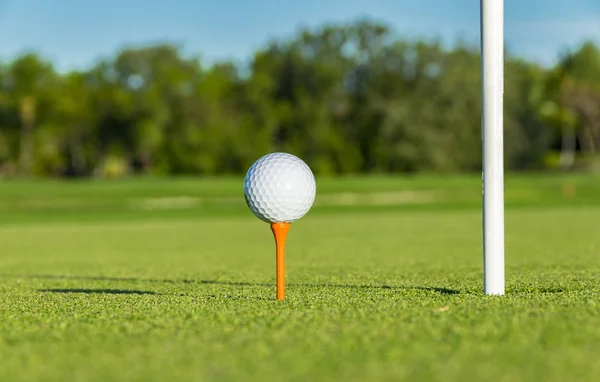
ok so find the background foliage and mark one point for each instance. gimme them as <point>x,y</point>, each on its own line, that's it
<point>352,98</point>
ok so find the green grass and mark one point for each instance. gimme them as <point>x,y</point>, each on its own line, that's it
<point>158,280</point>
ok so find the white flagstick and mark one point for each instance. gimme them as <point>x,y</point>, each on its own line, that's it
<point>492,51</point>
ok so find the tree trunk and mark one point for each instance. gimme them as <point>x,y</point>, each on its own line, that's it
<point>568,147</point>
<point>27,111</point>
<point>77,157</point>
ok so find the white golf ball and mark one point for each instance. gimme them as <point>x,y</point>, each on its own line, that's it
<point>279,188</point>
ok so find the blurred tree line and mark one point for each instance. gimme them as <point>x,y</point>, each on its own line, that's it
<point>346,98</point>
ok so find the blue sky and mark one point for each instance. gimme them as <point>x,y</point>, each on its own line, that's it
<point>75,33</point>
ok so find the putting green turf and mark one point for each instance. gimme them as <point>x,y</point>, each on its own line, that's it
<point>151,280</point>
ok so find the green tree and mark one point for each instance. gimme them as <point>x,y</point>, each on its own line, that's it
<point>347,98</point>
<point>30,81</point>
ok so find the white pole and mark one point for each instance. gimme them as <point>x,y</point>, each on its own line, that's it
<point>492,67</point>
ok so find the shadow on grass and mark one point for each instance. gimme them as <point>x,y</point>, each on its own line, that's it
<point>96,291</point>
<point>443,291</point>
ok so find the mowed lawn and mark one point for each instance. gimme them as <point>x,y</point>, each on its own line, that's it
<point>165,280</point>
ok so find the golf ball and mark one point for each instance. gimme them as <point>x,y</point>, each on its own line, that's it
<point>279,188</point>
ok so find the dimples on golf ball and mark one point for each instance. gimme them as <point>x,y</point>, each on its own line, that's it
<point>279,188</point>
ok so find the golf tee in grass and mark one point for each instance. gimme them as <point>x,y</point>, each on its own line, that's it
<point>97,287</point>
<point>280,231</point>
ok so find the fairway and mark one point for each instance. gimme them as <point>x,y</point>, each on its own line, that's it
<point>162,280</point>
